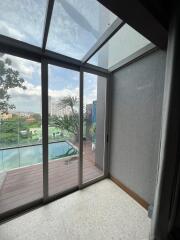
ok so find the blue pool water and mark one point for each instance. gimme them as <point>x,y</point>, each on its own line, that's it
<point>26,156</point>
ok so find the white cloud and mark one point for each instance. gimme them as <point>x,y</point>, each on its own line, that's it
<point>31,90</point>
<point>25,67</point>
<point>91,96</point>
<point>7,30</point>
<point>64,92</point>
<point>23,20</point>
<point>29,100</point>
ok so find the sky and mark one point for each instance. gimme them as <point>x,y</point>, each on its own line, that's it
<point>62,82</point>
<point>75,26</point>
<point>23,20</point>
<point>68,35</point>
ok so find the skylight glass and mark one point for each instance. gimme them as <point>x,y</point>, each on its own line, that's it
<point>23,20</point>
<point>76,25</point>
<point>124,43</point>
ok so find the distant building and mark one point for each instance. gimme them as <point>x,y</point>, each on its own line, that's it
<point>5,116</point>
<point>24,114</point>
<point>50,105</point>
<point>30,120</point>
<point>88,120</point>
<point>54,108</point>
<point>64,111</point>
<point>88,111</point>
<point>94,112</point>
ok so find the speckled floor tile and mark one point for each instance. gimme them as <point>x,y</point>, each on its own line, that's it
<point>100,212</point>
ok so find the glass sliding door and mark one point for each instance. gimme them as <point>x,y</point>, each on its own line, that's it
<point>63,129</point>
<point>20,132</point>
<point>94,108</point>
<point>21,155</point>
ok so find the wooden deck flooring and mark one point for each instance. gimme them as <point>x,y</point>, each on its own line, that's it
<point>24,185</point>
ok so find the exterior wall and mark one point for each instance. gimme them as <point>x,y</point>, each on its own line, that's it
<point>137,92</point>
<point>100,121</point>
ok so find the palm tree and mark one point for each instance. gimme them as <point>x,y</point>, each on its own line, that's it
<point>68,101</point>
<point>70,121</point>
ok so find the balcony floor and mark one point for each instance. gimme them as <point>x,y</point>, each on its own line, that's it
<point>24,185</point>
<point>100,212</point>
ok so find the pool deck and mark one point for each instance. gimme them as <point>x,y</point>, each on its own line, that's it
<point>24,185</point>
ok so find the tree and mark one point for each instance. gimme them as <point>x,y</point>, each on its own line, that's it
<point>9,133</point>
<point>9,78</point>
<point>37,117</point>
<point>68,101</point>
<point>70,121</point>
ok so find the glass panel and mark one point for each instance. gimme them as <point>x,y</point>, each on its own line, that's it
<point>76,25</point>
<point>93,126</point>
<point>63,129</point>
<point>124,43</point>
<point>10,159</point>
<point>23,20</point>
<point>20,132</point>
<point>30,155</point>
<point>1,160</point>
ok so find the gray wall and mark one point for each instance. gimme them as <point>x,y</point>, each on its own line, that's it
<point>137,92</point>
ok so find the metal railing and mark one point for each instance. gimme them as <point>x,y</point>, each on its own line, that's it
<point>29,145</point>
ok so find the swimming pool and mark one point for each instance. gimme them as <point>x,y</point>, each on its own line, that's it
<point>30,155</point>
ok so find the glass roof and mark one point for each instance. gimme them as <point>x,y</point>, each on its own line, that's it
<point>76,25</point>
<point>23,20</point>
<point>124,43</point>
<point>76,28</point>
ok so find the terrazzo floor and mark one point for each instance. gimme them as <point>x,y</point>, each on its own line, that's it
<point>100,212</point>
